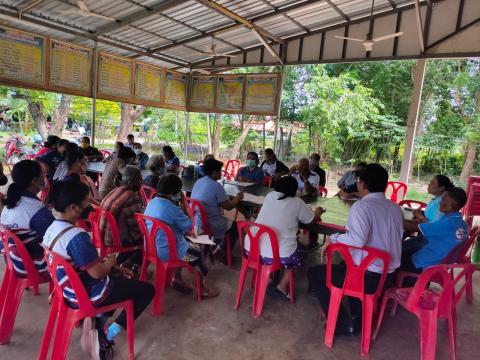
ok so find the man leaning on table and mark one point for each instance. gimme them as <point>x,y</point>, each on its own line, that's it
<point>373,221</point>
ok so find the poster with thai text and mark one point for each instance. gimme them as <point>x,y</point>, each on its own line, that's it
<point>260,93</point>
<point>230,93</point>
<point>176,90</point>
<point>203,93</point>
<point>114,76</point>
<point>148,82</point>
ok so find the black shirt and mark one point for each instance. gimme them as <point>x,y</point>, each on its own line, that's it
<point>322,174</point>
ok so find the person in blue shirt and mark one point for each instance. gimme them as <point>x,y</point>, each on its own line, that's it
<point>172,162</point>
<point>201,171</point>
<point>251,173</point>
<point>141,158</point>
<point>437,186</point>
<point>169,206</point>
<point>437,238</point>
<point>213,197</point>
<point>53,157</point>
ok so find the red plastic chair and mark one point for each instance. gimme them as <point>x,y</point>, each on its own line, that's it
<point>413,204</point>
<point>261,272</point>
<point>162,268</point>
<point>105,153</point>
<point>397,190</point>
<point>267,181</point>
<point>231,169</point>
<point>196,206</point>
<point>353,286</point>
<point>46,190</point>
<point>323,191</point>
<point>472,207</point>
<point>428,306</point>
<point>96,217</point>
<point>13,286</point>
<point>147,193</point>
<point>67,318</point>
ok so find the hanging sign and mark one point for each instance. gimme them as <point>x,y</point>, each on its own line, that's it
<point>114,77</point>
<point>260,94</point>
<point>229,93</point>
<point>175,90</point>
<point>148,82</point>
<point>202,96</point>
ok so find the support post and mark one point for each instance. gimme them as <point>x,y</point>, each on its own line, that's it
<point>185,147</point>
<point>412,122</point>
<point>94,91</point>
<point>278,110</point>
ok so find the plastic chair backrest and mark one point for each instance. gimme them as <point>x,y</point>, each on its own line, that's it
<point>150,237</point>
<point>413,204</point>
<point>196,207</point>
<point>22,252</point>
<point>105,153</point>
<point>98,234</point>
<point>438,274</point>
<point>147,193</point>
<point>267,181</point>
<point>245,228</point>
<point>231,168</point>
<point>398,190</point>
<point>323,191</point>
<point>472,207</point>
<point>54,262</point>
<point>46,190</point>
<point>354,279</point>
<point>459,253</point>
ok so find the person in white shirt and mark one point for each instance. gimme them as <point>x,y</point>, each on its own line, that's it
<point>373,221</point>
<point>307,180</point>
<point>282,211</point>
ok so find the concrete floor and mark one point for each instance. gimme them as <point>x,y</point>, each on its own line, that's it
<point>214,330</point>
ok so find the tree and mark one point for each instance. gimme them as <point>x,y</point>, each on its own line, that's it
<point>61,114</point>
<point>130,113</point>
<point>243,135</point>
<point>217,131</point>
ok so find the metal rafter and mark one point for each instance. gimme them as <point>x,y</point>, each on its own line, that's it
<point>340,12</point>
<point>30,6</point>
<point>392,4</point>
<point>303,27</point>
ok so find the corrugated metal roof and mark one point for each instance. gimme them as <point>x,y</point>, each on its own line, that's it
<point>183,27</point>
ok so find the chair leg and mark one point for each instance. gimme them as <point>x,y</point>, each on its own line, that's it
<point>380,315</point>
<point>160,284</point>
<point>144,270</point>
<point>259,294</point>
<point>199,286</point>
<point>48,334</point>
<point>428,336</point>
<point>451,334</point>
<point>7,276</point>
<point>63,333</point>
<point>130,330</point>
<point>229,250</point>
<point>367,316</point>
<point>10,308</point>
<point>333,309</point>
<point>241,283</point>
<point>469,289</point>
<point>35,290</point>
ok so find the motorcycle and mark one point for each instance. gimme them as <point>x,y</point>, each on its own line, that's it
<point>15,150</point>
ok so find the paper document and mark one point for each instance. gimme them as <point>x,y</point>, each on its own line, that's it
<point>407,214</point>
<point>238,183</point>
<point>201,239</point>
<point>253,198</point>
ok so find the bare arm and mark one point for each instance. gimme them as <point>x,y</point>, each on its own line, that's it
<point>232,203</point>
<point>102,268</point>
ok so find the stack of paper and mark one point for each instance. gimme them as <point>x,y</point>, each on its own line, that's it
<point>201,239</point>
<point>253,198</point>
<point>238,183</point>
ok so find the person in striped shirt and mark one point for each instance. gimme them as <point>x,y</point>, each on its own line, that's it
<point>25,215</point>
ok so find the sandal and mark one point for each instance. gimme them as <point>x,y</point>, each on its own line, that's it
<point>275,292</point>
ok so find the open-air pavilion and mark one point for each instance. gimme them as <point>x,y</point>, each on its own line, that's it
<point>205,37</point>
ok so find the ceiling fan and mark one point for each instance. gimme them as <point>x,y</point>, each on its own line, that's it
<point>370,40</point>
<point>212,51</point>
<point>83,10</point>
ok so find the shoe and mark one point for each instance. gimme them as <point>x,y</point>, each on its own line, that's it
<point>89,335</point>
<point>106,349</point>
<point>103,348</point>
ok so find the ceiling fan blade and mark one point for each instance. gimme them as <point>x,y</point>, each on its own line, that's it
<point>349,38</point>
<point>386,37</point>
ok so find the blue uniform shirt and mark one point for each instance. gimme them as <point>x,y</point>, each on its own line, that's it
<point>441,236</point>
<point>255,175</point>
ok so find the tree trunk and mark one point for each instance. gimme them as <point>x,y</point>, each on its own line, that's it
<point>216,136</point>
<point>209,134</point>
<point>60,115</point>
<point>470,156</point>
<point>241,139</point>
<point>130,113</point>
<point>36,111</point>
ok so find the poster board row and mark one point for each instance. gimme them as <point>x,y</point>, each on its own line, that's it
<point>69,69</point>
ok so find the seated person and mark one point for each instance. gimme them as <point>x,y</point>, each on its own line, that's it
<point>70,199</point>
<point>169,206</point>
<point>142,158</point>
<point>437,186</point>
<point>130,141</point>
<point>348,181</point>
<point>213,197</point>
<point>125,157</point>
<point>307,180</point>
<point>201,172</point>
<point>315,167</point>
<point>123,202</point>
<point>62,168</point>
<point>373,221</point>
<point>282,211</point>
<point>49,145</point>
<point>172,162</point>
<point>273,167</point>
<point>77,165</point>
<point>90,152</point>
<point>118,145</point>
<point>156,168</point>
<point>53,157</point>
<point>25,215</point>
<point>251,173</point>
<point>437,238</point>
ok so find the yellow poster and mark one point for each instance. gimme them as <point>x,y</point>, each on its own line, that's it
<point>176,89</point>
<point>148,82</point>
<point>70,66</point>
<point>261,93</point>
<point>203,92</point>
<point>230,92</point>
<point>22,57</point>
<point>114,76</point>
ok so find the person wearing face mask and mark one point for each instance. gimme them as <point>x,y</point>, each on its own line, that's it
<point>251,173</point>
<point>156,168</point>
<point>123,202</point>
<point>25,215</point>
<point>142,158</point>
<point>169,207</point>
<point>315,167</point>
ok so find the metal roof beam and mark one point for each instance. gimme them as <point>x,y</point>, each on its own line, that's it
<point>229,27</point>
<point>30,6</point>
<point>392,4</point>
<point>303,27</point>
<point>340,12</point>
<point>139,15</point>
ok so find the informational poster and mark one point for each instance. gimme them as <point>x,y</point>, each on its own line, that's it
<point>22,57</point>
<point>176,90</point>
<point>260,93</point>
<point>203,92</point>
<point>70,67</point>
<point>229,93</point>
<point>114,76</point>
<point>148,82</point>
